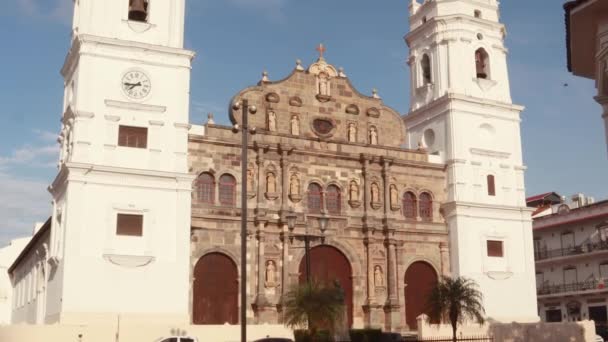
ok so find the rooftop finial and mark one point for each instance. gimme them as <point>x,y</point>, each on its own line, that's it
<point>299,66</point>
<point>210,120</point>
<point>321,48</point>
<point>265,76</point>
<point>375,93</point>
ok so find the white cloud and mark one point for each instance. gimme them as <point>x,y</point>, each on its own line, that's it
<point>46,136</point>
<point>31,155</point>
<point>22,203</point>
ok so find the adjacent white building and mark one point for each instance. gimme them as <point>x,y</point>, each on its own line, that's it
<point>8,255</point>
<point>571,252</point>
<point>461,110</point>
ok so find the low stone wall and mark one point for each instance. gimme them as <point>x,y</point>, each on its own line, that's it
<point>514,332</point>
<point>544,332</point>
<point>139,333</point>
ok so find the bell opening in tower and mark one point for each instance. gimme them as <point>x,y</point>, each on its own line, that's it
<point>138,10</point>
<point>481,63</point>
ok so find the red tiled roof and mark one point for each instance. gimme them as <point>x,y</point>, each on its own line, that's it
<point>538,197</point>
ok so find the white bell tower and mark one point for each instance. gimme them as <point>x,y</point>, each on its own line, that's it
<point>461,112</point>
<point>121,224</point>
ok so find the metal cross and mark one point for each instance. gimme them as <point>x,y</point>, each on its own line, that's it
<point>321,50</point>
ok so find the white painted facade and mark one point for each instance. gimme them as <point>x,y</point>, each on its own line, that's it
<point>471,124</point>
<point>97,274</point>
<point>8,254</point>
<point>571,252</point>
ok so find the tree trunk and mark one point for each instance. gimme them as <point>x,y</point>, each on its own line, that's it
<point>454,327</point>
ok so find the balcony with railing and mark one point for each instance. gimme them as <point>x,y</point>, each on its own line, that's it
<point>594,285</point>
<point>586,248</point>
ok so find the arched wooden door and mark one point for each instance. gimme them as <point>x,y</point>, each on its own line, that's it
<point>326,265</point>
<point>215,290</point>
<point>420,278</point>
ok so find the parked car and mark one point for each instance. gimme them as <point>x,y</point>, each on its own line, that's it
<point>178,339</point>
<point>274,339</point>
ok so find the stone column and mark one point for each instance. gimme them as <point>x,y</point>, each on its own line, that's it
<point>386,167</point>
<point>392,307</point>
<point>284,178</point>
<point>366,185</point>
<point>260,199</point>
<point>265,312</point>
<point>445,258</point>
<point>372,309</point>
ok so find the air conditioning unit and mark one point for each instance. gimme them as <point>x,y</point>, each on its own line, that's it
<point>579,199</point>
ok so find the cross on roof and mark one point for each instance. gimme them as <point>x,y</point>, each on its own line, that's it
<point>321,50</point>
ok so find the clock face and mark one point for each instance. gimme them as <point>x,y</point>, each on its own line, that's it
<point>136,84</point>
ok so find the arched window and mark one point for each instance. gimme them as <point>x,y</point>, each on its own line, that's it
<point>138,10</point>
<point>491,186</point>
<point>426,206</point>
<point>482,63</point>
<point>228,190</point>
<point>410,205</point>
<point>205,188</point>
<point>333,200</point>
<point>315,198</point>
<point>426,69</point>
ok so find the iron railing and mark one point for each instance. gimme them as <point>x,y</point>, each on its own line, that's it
<point>544,254</point>
<point>589,285</point>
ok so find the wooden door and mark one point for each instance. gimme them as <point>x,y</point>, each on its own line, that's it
<point>420,278</point>
<point>215,290</point>
<point>328,264</point>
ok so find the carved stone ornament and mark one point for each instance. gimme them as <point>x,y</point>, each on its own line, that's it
<point>295,192</point>
<point>295,102</point>
<point>394,198</point>
<point>373,135</point>
<point>325,73</point>
<point>272,121</point>
<point>373,112</point>
<point>353,195</point>
<point>352,109</point>
<point>250,182</point>
<point>271,274</point>
<point>271,186</point>
<point>273,98</point>
<point>295,125</point>
<point>378,276</point>
<point>375,194</point>
<point>352,132</point>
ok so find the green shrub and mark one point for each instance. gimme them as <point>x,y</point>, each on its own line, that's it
<point>365,335</point>
<point>306,336</point>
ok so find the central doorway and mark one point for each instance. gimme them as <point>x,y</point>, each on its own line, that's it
<point>328,264</point>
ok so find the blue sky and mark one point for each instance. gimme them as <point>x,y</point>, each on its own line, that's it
<point>236,40</point>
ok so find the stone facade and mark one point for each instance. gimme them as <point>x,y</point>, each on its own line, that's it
<point>288,152</point>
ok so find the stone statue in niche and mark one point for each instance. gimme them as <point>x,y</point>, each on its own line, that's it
<point>295,125</point>
<point>323,84</point>
<point>394,196</point>
<point>271,274</point>
<point>294,185</point>
<point>375,193</point>
<point>250,181</point>
<point>271,183</point>
<point>373,135</point>
<point>352,132</point>
<point>378,276</point>
<point>354,191</point>
<point>272,121</point>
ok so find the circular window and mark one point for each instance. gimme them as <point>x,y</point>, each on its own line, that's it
<point>322,126</point>
<point>429,137</point>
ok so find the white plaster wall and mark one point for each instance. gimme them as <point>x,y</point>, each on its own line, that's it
<point>8,255</point>
<point>110,19</point>
<point>470,228</point>
<point>93,284</point>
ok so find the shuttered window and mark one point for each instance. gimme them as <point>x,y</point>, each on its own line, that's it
<point>136,137</point>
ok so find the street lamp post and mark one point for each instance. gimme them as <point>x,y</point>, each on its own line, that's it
<point>246,110</point>
<point>307,238</point>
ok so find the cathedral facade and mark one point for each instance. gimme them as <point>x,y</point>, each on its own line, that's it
<point>146,203</point>
<point>320,149</point>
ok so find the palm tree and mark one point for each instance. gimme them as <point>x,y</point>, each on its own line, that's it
<point>319,305</point>
<point>456,300</point>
